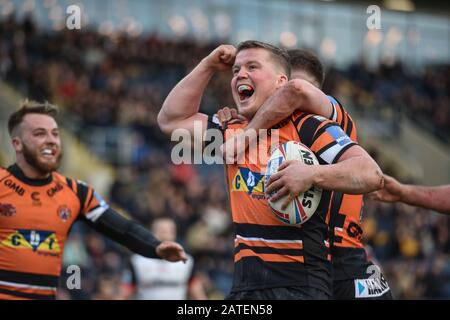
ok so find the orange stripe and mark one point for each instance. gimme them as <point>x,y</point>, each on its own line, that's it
<point>258,243</point>
<point>321,142</point>
<point>28,290</point>
<point>346,125</point>
<point>269,257</point>
<point>347,242</point>
<point>75,185</point>
<point>88,197</point>
<point>300,124</point>
<point>10,297</point>
<point>340,115</point>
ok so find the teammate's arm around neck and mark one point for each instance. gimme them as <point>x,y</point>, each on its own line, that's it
<point>297,94</point>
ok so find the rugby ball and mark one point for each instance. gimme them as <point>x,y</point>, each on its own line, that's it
<point>304,206</point>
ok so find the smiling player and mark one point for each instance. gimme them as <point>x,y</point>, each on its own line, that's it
<point>38,207</point>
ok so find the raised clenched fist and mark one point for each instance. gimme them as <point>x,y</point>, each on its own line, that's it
<point>221,58</point>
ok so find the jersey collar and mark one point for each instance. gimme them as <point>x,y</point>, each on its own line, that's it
<point>18,173</point>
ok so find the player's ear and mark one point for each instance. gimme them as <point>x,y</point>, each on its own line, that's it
<point>282,80</point>
<point>17,144</point>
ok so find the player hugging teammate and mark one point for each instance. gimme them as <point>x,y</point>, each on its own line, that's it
<point>324,258</point>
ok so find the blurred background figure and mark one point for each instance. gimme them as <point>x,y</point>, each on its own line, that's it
<point>108,288</point>
<point>148,279</point>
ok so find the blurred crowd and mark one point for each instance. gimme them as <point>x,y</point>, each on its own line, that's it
<point>423,97</point>
<point>116,82</point>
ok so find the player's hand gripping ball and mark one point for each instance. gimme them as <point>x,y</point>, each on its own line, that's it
<point>305,205</point>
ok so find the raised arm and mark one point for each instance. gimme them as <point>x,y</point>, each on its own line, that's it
<point>434,198</point>
<point>181,107</point>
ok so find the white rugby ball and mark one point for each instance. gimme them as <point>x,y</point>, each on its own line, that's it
<point>304,206</point>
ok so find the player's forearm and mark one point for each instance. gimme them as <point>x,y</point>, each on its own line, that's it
<point>295,95</point>
<point>141,241</point>
<point>434,198</point>
<point>310,99</point>
<point>128,233</point>
<point>356,175</point>
<point>277,107</point>
<point>185,98</point>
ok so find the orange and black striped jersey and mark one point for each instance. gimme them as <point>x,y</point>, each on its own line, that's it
<point>269,253</point>
<point>35,218</point>
<point>349,257</point>
<point>342,117</point>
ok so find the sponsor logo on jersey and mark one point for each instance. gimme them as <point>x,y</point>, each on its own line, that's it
<point>35,196</point>
<point>7,210</point>
<point>55,189</point>
<point>14,186</point>
<point>338,135</point>
<point>41,242</point>
<point>370,288</point>
<point>248,181</point>
<point>64,213</point>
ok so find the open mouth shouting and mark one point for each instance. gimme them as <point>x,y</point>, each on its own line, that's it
<point>245,91</point>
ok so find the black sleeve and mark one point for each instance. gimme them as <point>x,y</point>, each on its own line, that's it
<point>308,129</point>
<point>126,232</point>
<point>213,123</point>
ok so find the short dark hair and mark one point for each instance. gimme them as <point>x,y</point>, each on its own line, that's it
<point>28,107</point>
<point>279,55</point>
<point>308,61</point>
